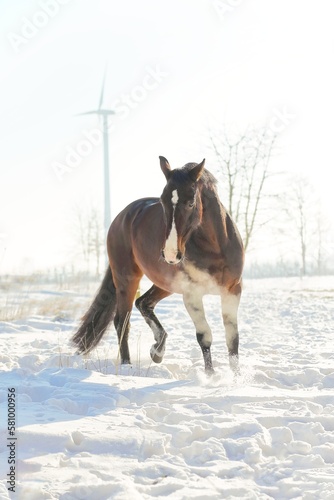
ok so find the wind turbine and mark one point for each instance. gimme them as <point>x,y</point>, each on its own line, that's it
<point>104,113</point>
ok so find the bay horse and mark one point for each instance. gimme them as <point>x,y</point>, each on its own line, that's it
<point>185,242</point>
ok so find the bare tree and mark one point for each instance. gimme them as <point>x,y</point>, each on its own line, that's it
<point>244,163</point>
<point>323,241</point>
<point>302,222</point>
<point>97,239</point>
<point>320,238</point>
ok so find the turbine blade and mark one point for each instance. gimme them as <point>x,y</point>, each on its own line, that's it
<point>102,88</point>
<point>88,113</point>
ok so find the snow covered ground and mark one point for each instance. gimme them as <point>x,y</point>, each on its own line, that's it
<point>91,429</point>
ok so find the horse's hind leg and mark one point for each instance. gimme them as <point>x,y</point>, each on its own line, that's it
<point>230,304</point>
<point>125,292</point>
<point>194,306</point>
<point>146,304</point>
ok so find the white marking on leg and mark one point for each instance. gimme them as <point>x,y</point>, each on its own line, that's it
<point>207,337</point>
<point>171,249</point>
<point>230,304</point>
<point>196,312</point>
<point>202,326</point>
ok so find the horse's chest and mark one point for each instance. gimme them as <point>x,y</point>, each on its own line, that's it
<point>191,279</point>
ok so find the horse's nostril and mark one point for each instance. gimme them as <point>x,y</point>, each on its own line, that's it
<point>171,257</point>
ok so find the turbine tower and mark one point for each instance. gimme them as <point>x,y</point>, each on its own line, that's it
<point>104,113</point>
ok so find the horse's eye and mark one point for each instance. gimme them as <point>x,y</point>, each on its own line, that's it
<point>191,204</point>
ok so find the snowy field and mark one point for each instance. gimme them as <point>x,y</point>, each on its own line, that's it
<point>91,429</point>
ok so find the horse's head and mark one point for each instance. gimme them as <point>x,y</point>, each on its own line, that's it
<point>182,207</point>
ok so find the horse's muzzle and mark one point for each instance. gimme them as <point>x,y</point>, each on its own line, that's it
<point>172,258</point>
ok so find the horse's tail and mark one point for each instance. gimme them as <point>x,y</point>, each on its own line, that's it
<point>100,314</point>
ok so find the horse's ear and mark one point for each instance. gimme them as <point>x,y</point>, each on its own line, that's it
<point>196,172</point>
<point>165,167</point>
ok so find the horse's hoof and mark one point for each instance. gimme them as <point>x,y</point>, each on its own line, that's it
<point>156,356</point>
<point>236,371</point>
<point>209,371</point>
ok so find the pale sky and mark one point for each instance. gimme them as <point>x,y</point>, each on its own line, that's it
<point>173,68</point>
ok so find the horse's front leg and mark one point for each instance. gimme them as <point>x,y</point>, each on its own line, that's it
<point>146,304</point>
<point>230,302</point>
<point>194,306</point>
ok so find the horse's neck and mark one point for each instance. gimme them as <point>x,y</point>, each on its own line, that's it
<point>213,224</point>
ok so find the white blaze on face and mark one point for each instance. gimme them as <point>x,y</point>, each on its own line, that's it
<point>171,249</point>
<point>175,197</point>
